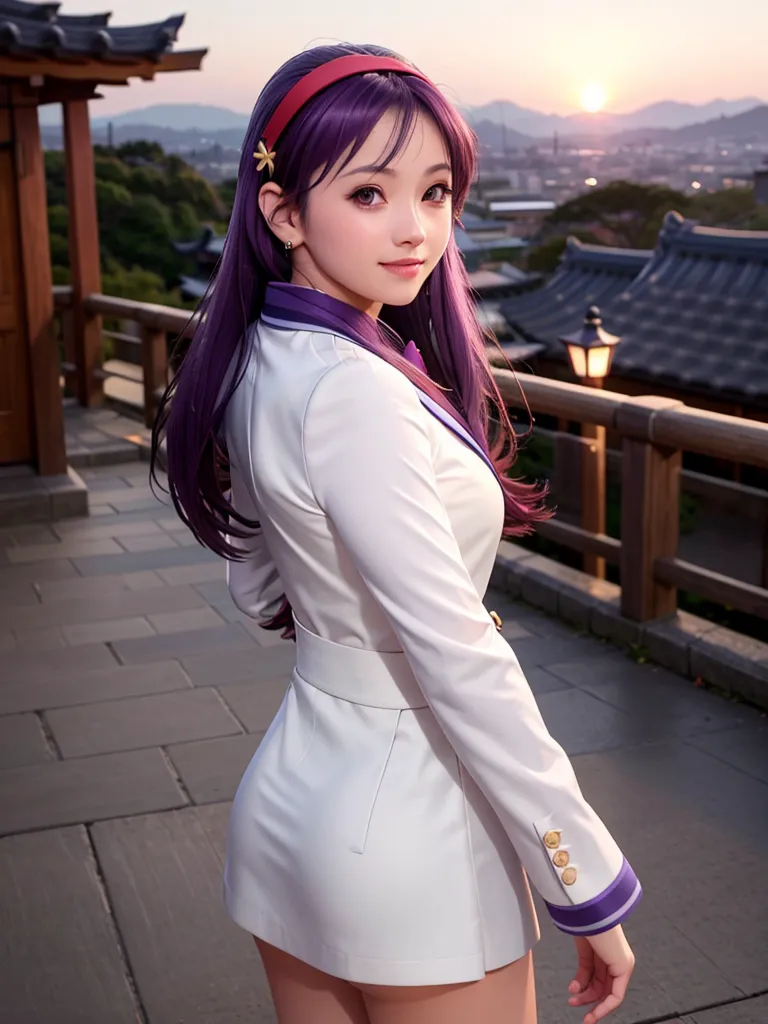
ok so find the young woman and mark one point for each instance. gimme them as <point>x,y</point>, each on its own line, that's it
<point>383,835</point>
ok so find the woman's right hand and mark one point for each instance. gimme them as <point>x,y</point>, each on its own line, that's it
<point>606,963</point>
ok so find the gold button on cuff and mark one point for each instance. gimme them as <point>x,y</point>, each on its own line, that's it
<point>552,839</point>
<point>569,876</point>
<point>560,859</point>
<point>496,620</point>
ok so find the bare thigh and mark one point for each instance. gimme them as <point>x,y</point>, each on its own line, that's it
<point>304,995</point>
<point>503,996</point>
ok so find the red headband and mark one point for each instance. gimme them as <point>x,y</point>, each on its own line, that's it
<point>321,78</point>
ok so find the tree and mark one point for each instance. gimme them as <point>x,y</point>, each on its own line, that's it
<point>630,211</point>
<point>146,200</point>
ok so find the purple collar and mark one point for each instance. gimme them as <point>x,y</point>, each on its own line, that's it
<point>293,307</point>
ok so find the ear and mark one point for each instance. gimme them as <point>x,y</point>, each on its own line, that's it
<point>283,218</point>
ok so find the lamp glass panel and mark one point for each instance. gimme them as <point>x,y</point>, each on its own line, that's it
<point>578,359</point>
<point>598,359</point>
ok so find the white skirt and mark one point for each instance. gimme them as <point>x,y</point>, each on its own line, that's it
<point>360,844</point>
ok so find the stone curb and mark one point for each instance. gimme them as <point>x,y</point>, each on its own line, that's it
<point>684,643</point>
<point>42,499</point>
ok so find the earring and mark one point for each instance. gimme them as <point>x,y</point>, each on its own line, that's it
<point>288,247</point>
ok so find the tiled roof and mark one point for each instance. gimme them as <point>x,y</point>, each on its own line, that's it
<point>695,316</point>
<point>587,275</point>
<point>31,30</point>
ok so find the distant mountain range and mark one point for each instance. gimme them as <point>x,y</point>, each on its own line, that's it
<point>195,126</point>
<point>667,114</point>
<point>202,118</point>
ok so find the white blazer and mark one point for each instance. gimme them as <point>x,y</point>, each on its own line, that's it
<point>385,827</point>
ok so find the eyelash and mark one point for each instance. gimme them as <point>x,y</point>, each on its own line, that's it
<point>373,188</point>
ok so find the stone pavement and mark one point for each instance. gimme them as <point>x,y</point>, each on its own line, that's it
<point>132,695</point>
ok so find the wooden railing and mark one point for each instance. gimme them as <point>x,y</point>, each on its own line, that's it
<point>654,432</point>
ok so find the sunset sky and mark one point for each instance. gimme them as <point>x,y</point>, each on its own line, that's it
<point>540,55</point>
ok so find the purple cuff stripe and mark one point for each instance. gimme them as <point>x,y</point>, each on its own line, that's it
<point>614,902</point>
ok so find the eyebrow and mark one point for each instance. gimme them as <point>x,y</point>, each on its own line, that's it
<point>373,169</point>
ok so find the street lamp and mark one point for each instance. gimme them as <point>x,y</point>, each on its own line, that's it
<point>590,351</point>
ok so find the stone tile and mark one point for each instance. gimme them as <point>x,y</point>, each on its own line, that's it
<point>97,484</point>
<point>255,703</point>
<point>185,540</point>
<point>116,529</point>
<point>136,722</point>
<point>191,963</point>
<point>542,681</point>
<point>202,572</point>
<point>550,650</point>
<point>25,665</point>
<point>745,747</point>
<point>219,668</point>
<point>52,689</point>
<point>182,645</point>
<point>654,698</point>
<point>671,973</point>
<point>695,831</point>
<point>93,589</point>
<point>86,789</point>
<point>110,599</point>
<point>211,769</point>
<point>215,592</point>
<point>17,596</point>
<point>18,575</point>
<point>38,533</point>
<point>22,741</point>
<point>100,565</point>
<point>150,542</point>
<point>745,1011</point>
<point>110,496</point>
<point>144,580</point>
<point>178,622</point>
<point>65,549</point>
<point>582,724</point>
<point>49,638</point>
<point>62,960</point>
<point>107,632</point>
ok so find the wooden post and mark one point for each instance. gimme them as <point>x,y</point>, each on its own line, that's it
<point>83,248</point>
<point>37,290</point>
<point>650,510</point>
<point>593,497</point>
<point>154,360</point>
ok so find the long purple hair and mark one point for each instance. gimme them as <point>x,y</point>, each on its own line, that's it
<point>441,320</point>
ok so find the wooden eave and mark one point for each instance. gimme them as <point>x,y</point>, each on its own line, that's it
<point>101,72</point>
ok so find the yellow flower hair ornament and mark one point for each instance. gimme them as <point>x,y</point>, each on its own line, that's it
<point>265,158</point>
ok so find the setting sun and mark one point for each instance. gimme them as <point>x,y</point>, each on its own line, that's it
<point>593,98</point>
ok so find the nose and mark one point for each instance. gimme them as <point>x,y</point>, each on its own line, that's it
<point>409,229</point>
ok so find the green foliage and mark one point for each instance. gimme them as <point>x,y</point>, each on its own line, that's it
<point>146,200</point>
<point>545,257</point>
<point>628,210</point>
<point>633,215</point>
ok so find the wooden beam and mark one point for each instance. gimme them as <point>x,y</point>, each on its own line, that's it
<point>713,586</point>
<point>83,248</point>
<point>38,293</point>
<point>101,71</point>
<point>182,60</point>
<point>94,71</point>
